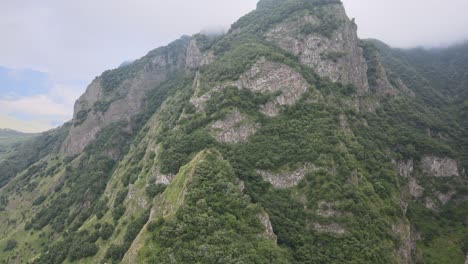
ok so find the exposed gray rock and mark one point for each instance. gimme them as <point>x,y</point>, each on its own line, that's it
<point>208,58</point>
<point>134,193</point>
<point>444,198</point>
<point>265,220</point>
<point>345,126</point>
<point>327,209</point>
<point>383,84</point>
<point>234,128</point>
<point>199,100</point>
<point>439,167</point>
<point>127,98</point>
<point>429,204</point>
<point>332,228</point>
<point>347,65</point>
<point>405,168</point>
<point>407,245</point>
<point>414,188</point>
<point>286,179</point>
<point>270,77</point>
<point>194,56</point>
<point>264,77</point>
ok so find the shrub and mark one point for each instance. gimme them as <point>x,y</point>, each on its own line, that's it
<point>120,198</point>
<point>10,245</point>
<point>106,231</point>
<point>154,189</point>
<point>39,200</point>
<point>118,212</point>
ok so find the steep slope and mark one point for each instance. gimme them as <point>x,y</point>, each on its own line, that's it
<point>286,140</point>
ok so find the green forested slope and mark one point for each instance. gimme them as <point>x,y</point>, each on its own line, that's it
<point>207,173</point>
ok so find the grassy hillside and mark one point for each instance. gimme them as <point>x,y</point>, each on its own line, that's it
<point>332,176</point>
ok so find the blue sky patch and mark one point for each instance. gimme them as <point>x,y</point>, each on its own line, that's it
<point>22,83</point>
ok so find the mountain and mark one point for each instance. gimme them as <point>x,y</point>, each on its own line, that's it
<point>10,135</point>
<point>10,140</point>
<point>285,140</point>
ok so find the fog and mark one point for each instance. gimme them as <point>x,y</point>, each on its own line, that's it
<point>73,41</point>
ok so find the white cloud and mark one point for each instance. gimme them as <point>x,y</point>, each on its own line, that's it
<point>39,105</point>
<point>74,41</point>
<point>403,23</point>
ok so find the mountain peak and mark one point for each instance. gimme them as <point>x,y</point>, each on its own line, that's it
<point>285,140</point>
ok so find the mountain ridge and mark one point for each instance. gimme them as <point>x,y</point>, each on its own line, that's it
<point>286,140</point>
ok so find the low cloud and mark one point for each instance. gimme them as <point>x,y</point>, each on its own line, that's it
<point>40,105</point>
<point>35,108</point>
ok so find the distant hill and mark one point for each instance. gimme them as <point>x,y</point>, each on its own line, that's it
<point>286,140</point>
<point>10,136</point>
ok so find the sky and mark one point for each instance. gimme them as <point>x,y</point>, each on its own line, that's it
<point>52,49</point>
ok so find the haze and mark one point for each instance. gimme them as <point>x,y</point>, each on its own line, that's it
<point>51,49</point>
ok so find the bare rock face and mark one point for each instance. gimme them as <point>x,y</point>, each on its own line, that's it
<point>344,126</point>
<point>337,56</point>
<point>286,179</point>
<point>405,168</point>
<point>414,188</point>
<point>332,228</point>
<point>444,198</point>
<point>103,104</point>
<point>270,77</point>
<point>265,77</point>
<point>408,244</point>
<point>265,221</point>
<point>194,55</point>
<point>429,204</point>
<point>439,167</point>
<point>327,209</point>
<point>234,128</point>
<point>383,84</point>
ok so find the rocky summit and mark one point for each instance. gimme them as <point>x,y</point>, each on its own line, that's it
<point>286,140</point>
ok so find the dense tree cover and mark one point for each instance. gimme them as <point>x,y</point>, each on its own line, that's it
<point>106,231</point>
<point>172,54</point>
<point>73,247</point>
<point>154,189</point>
<point>86,183</point>
<point>30,152</point>
<point>10,245</point>
<point>310,132</point>
<point>216,223</point>
<point>270,12</point>
<point>440,80</point>
<point>116,252</point>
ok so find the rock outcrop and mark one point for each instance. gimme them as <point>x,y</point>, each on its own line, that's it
<point>335,55</point>
<point>265,77</point>
<point>407,243</point>
<point>286,179</point>
<point>439,167</point>
<point>265,221</point>
<point>405,168</point>
<point>327,209</point>
<point>332,228</point>
<point>234,128</point>
<point>415,189</point>
<point>273,77</point>
<point>109,98</point>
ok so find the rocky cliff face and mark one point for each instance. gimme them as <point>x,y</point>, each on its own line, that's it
<point>332,51</point>
<point>113,97</point>
<point>440,167</point>
<point>249,147</point>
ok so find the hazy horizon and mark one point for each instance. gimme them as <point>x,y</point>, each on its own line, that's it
<point>74,42</point>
